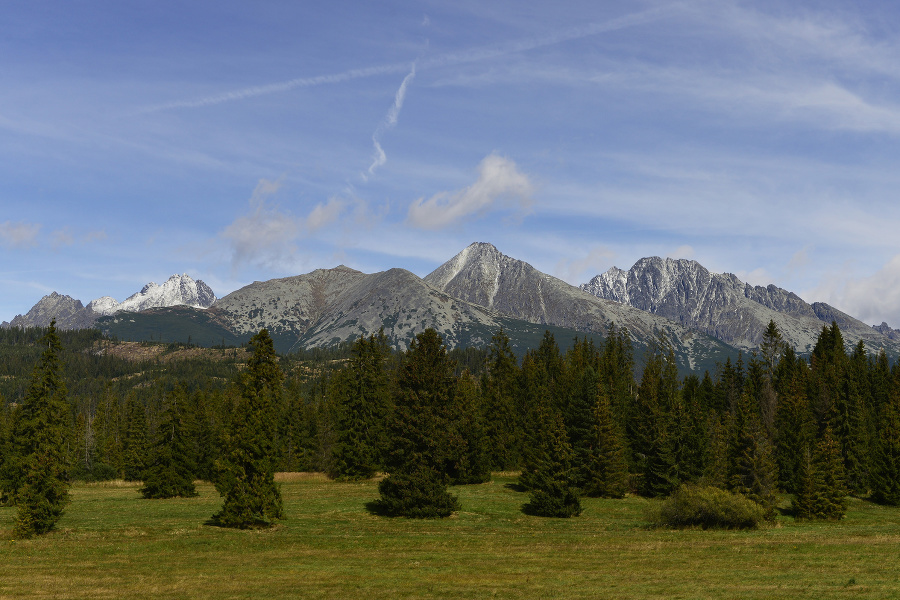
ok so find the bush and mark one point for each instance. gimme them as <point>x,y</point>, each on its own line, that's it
<point>709,508</point>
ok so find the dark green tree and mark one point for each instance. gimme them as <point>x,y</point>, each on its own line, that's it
<point>43,432</point>
<point>503,415</point>
<point>170,468</point>
<point>821,493</point>
<point>135,443</point>
<point>551,476</point>
<point>606,470</point>
<point>751,462</point>
<point>886,456</point>
<point>469,461</point>
<point>362,398</point>
<point>419,426</point>
<point>246,470</point>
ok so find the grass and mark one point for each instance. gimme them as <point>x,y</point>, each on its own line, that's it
<point>113,544</point>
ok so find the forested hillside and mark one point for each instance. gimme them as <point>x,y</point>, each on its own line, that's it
<point>575,419</point>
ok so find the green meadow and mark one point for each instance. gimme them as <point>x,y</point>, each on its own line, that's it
<point>111,543</point>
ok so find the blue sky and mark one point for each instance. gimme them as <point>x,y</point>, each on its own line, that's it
<point>240,141</point>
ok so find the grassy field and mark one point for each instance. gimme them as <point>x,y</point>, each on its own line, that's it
<point>113,544</point>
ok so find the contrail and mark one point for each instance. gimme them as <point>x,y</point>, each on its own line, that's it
<point>272,88</point>
<point>389,122</point>
<point>473,55</point>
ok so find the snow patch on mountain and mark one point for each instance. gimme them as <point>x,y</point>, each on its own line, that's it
<point>176,291</point>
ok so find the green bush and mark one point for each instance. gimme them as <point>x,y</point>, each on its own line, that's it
<point>708,507</point>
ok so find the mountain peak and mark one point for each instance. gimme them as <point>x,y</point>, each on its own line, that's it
<point>478,268</point>
<point>177,290</point>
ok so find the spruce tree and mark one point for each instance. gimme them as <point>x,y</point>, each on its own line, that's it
<point>469,461</point>
<point>362,401</point>
<point>551,479</point>
<point>503,416</point>
<point>42,435</point>
<point>134,454</point>
<point>605,470</point>
<point>170,469</point>
<point>886,457</point>
<point>416,485</point>
<point>752,469</point>
<point>246,470</point>
<point>821,492</point>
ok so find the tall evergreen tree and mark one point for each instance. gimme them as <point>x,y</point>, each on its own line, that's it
<point>417,482</point>
<point>134,452</point>
<point>170,469</point>
<point>551,480</point>
<point>246,470</point>
<point>469,461</point>
<point>606,470</point>
<point>362,400</point>
<point>886,456</point>
<point>42,436</point>
<point>821,493</point>
<point>503,414</point>
<point>752,469</point>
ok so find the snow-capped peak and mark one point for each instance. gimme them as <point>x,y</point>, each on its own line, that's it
<point>177,290</point>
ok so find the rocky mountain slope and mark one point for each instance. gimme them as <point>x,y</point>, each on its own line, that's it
<point>70,313</point>
<point>176,291</point>
<point>481,274</point>
<point>727,308</point>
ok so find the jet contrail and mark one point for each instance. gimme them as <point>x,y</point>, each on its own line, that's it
<point>473,55</point>
<point>389,122</point>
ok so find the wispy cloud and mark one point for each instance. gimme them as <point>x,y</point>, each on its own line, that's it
<point>499,183</point>
<point>472,55</point>
<point>19,235</point>
<point>872,298</point>
<point>265,236</point>
<point>390,121</point>
<point>580,270</point>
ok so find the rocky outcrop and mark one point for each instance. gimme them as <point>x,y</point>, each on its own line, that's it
<point>68,313</point>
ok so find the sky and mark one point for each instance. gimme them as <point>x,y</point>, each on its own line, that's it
<point>244,141</point>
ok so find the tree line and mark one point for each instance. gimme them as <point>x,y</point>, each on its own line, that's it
<point>575,422</point>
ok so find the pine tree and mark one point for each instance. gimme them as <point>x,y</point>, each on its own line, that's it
<point>361,397</point>
<point>246,470</point>
<point>469,461</point>
<point>503,418</point>
<point>821,493</point>
<point>752,470</point>
<point>886,458</point>
<point>134,454</point>
<point>43,433</point>
<point>417,482</point>
<point>170,469</point>
<point>551,480</point>
<point>606,470</point>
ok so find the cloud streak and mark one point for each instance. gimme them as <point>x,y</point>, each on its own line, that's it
<point>19,235</point>
<point>473,55</point>
<point>499,184</point>
<point>390,121</point>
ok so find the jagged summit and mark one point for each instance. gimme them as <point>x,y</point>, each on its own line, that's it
<point>722,305</point>
<point>68,313</point>
<point>475,273</point>
<point>177,290</point>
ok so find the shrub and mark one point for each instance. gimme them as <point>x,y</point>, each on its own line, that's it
<point>709,508</point>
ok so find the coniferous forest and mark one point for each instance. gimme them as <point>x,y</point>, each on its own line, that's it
<point>576,422</point>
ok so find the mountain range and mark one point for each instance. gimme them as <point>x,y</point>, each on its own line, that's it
<point>704,316</point>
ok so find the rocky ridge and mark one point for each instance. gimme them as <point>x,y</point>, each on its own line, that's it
<point>725,307</point>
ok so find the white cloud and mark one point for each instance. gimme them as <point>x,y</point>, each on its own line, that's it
<point>266,235</point>
<point>19,235</point>
<point>580,270</point>
<point>499,184</point>
<point>324,214</point>
<point>872,299</point>
<point>682,252</point>
<point>390,121</point>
